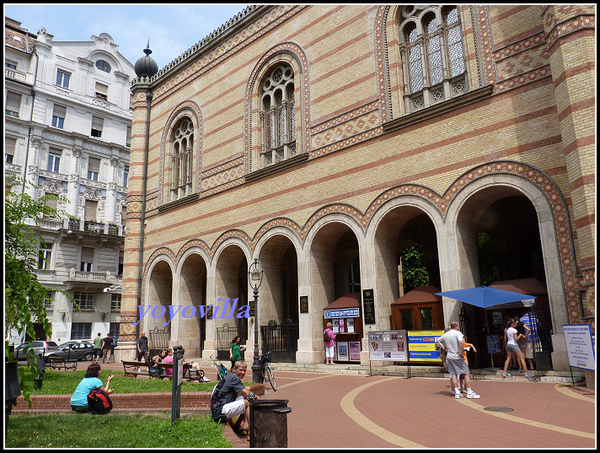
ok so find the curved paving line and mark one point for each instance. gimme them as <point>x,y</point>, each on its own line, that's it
<point>303,380</point>
<point>347,404</point>
<point>512,418</point>
<point>564,389</point>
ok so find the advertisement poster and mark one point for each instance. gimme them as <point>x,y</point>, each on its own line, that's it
<point>494,344</point>
<point>580,346</point>
<point>350,325</point>
<point>342,351</point>
<point>354,347</point>
<point>388,345</point>
<point>336,325</point>
<point>422,345</point>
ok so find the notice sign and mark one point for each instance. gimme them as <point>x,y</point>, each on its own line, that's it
<point>580,346</point>
<point>389,345</point>
<point>422,345</point>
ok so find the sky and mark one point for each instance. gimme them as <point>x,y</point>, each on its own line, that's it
<point>171,28</point>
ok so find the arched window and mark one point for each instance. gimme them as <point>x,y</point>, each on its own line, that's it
<point>103,66</point>
<point>278,116</point>
<point>432,55</point>
<point>182,158</point>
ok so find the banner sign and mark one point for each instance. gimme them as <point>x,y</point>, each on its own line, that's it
<point>580,346</point>
<point>341,313</point>
<point>389,345</point>
<point>422,345</point>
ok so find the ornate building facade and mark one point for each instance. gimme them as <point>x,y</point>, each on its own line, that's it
<point>323,140</point>
<point>67,132</point>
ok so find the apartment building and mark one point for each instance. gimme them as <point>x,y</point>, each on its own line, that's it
<point>324,140</point>
<point>67,131</point>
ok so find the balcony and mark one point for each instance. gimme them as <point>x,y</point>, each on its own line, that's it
<point>110,229</point>
<point>19,76</point>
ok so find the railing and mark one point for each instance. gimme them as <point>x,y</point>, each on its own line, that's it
<point>15,75</point>
<point>110,229</point>
<point>282,340</point>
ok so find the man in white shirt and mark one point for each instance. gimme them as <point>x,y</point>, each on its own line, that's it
<point>453,342</point>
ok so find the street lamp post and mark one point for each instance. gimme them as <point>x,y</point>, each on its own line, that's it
<point>255,273</point>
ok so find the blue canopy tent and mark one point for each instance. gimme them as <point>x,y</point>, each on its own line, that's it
<point>489,298</point>
<point>486,297</point>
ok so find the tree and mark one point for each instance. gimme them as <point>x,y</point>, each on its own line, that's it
<point>414,269</point>
<point>24,296</point>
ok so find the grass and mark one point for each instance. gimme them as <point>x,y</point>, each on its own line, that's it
<point>113,431</point>
<point>65,383</point>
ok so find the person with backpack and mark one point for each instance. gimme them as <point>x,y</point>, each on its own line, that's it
<point>90,383</point>
<point>329,339</point>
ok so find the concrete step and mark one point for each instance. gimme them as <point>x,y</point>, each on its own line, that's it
<point>428,371</point>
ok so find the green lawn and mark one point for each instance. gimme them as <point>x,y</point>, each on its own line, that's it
<point>65,383</point>
<point>113,431</point>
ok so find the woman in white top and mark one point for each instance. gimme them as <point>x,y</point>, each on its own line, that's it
<point>511,338</point>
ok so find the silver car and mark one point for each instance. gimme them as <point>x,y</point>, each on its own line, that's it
<point>72,351</point>
<point>39,347</point>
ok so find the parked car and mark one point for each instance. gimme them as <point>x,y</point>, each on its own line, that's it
<point>73,350</point>
<point>39,347</point>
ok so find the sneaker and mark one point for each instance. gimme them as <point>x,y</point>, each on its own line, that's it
<point>205,379</point>
<point>506,374</point>
<point>457,395</point>
<point>473,395</point>
<point>451,391</point>
<point>528,374</point>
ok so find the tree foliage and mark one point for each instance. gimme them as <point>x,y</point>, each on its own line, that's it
<point>24,296</point>
<point>414,269</point>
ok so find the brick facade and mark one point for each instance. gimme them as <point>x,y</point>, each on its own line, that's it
<point>369,176</point>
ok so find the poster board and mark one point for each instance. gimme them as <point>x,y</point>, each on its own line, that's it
<point>354,350</point>
<point>342,351</point>
<point>388,345</point>
<point>422,345</point>
<point>580,346</point>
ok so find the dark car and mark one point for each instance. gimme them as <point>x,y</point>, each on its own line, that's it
<point>73,351</point>
<point>39,347</point>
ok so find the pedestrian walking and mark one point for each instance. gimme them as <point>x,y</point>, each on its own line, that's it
<point>511,338</point>
<point>453,342</point>
<point>106,348</point>
<point>531,322</point>
<point>235,350</point>
<point>97,348</point>
<point>329,340</point>
<point>142,349</point>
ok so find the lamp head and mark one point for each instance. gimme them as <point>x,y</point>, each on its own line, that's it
<point>256,274</point>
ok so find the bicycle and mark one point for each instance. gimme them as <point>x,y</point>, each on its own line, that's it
<point>266,371</point>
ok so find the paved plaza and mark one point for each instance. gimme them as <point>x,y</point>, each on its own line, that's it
<point>331,410</point>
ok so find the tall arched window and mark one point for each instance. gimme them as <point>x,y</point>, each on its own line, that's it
<point>278,116</point>
<point>182,159</point>
<point>432,53</point>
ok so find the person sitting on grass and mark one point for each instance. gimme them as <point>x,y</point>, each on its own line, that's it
<point>91,381</point>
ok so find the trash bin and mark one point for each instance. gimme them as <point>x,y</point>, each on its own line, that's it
<point>268,424</point>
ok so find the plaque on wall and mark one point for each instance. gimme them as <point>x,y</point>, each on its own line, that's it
<point>303,304</point>
<point>368,306</point>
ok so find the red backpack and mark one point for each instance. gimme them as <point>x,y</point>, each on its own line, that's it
<point>99,401</point>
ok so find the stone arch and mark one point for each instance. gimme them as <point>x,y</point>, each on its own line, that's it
<point>501,179</point>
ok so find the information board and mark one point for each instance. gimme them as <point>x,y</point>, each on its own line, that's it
<point>580,346</point>
<point>422,345</point>
<point>388,345</point>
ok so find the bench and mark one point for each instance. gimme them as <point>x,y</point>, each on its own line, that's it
<point>59,363</point>
<point>130,368</point>
<point>189,374</point>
